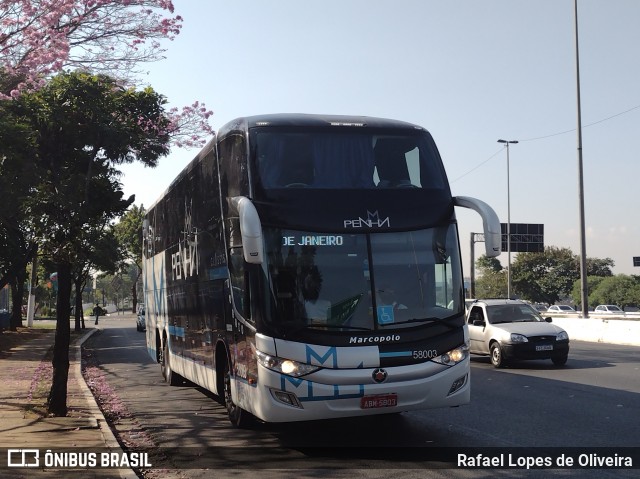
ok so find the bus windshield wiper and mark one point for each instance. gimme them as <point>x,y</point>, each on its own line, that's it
<point>335,326</point>
<point>445,321</point>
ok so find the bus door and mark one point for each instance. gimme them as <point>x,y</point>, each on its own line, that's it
<point>240,330</point>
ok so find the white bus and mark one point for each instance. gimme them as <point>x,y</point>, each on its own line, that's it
<point>308,267</point>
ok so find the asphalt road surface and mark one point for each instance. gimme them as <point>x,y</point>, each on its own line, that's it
<point>593,402</point>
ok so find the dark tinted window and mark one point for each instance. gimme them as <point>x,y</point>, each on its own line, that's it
<point>351,158</point>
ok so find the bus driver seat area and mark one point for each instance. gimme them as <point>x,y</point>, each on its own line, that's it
<point>391,164</point>
<point>296,165</point>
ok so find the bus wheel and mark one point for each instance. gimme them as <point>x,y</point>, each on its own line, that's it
<point>173,379</point>
<point>238,416</point>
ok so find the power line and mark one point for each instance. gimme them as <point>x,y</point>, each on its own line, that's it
<point>545,137</point>
<point>585,126</point>
<point>478,166</point>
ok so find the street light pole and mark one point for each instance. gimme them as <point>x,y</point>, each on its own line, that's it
<point>584,293</point>
<point>507,143</point>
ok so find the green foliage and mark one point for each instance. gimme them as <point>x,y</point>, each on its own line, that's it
<point>543,277</point>
<point>60,148</point>
<point>17,179</point>
<point>622,290</point>
<point>550,276</point>
<point>592,285</point>
<point>492,282</point>
<point>599,267</point>
<point>86,125</point>
<point>129,234</point>
<point>486,264</point>
<point>128,231</point>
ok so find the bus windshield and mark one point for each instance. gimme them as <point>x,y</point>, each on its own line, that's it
<point>346,158</point>
<point>367,282</point>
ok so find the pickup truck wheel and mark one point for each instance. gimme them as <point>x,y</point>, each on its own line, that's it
<point>496,356</point>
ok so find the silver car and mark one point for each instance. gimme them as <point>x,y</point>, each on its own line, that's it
<point>608,309</point>
<point>561,308</point>
<point>507,329</point>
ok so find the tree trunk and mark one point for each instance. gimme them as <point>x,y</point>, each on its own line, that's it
<point>134,297</point>
<point>79,286</point>
<point>17,291</point>
<point>57,402</point>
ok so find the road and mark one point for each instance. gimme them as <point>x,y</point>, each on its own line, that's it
<point>592,402</point>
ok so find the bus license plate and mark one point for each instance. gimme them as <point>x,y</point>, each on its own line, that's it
<point>380,400</point>
<point>545,347</point>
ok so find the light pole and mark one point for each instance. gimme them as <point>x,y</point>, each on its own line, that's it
<point>584,293</point>
<point>506,144</point>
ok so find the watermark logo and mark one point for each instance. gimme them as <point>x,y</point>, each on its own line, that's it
<point>23,458</point>
<point>78,459</point>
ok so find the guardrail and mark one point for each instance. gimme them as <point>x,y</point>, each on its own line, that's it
<point>602,328</point>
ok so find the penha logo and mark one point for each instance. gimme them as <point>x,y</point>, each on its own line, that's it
<point>185,261</point>
<point>373,221</point>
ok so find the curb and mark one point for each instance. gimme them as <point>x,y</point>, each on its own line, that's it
<point>109,438</point>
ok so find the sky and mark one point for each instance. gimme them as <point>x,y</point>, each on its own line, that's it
<point>471,72</point>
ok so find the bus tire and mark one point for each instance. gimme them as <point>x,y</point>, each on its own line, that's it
<point>238,416</point>
<point>172,378</point>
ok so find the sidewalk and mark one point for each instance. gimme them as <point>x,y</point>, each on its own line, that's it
<point>84,429</point>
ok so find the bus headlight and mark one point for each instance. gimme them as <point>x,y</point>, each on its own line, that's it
<point>453,357</point>
<point>285,366</point>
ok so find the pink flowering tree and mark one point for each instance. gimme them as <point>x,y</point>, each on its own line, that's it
<point>83,124</point>
<point>39,38</point>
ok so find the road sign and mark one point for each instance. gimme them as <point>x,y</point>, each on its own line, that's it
<point>525,237</point>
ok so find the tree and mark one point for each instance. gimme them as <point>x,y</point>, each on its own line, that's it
<point>86,125</point>
<point>545,277</point>
<point>484,263</point>
<point>620,289</point>
<point>99,251</point>
<point>492,282</point>
<point>549,276</point>
<point>39,38</point>
<point>129,233</point>
<point>592,285</point>
<point>599,267</point>
<point>16,180</point>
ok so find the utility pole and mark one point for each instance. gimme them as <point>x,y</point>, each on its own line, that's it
<point>584,293</point>
<point>507,143</point>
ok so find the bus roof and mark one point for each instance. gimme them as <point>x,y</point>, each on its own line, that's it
<point>311,120</point>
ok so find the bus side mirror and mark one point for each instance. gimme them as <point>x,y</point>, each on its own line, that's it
<point>250,230</point>
<point>490,223</point>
